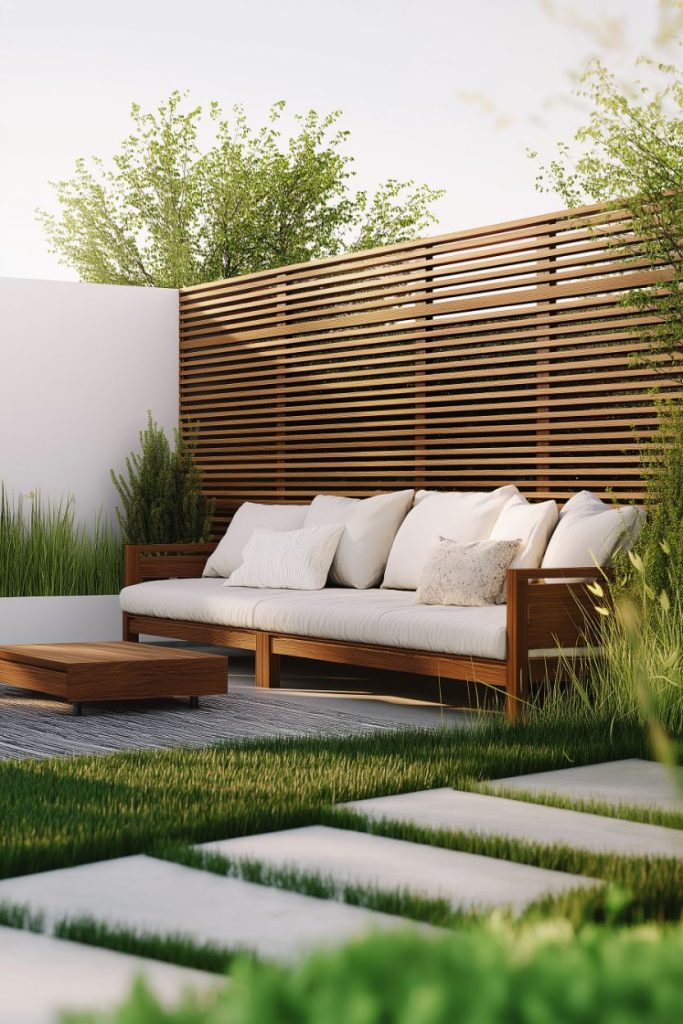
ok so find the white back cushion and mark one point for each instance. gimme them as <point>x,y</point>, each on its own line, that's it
<point>288,560</point>
<point>533,524</point>
<point>370,525</point>
<point>590,532</point>
<point>249,517</point>
<point>457,515</point>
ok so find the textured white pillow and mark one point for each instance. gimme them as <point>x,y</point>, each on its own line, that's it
<point>370,525</point>
<point>249,517</point>
<point>459,515</point>
<point>590,531</point>
<point>533,524</point>
<point>288,560</point>
<point>469,575</point>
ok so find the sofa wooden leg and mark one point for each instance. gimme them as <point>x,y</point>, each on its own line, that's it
<point>127,633</point>
<point>516,688</point>
<point>267,663</point>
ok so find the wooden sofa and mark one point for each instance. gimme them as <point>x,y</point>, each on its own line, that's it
<point>546,609</point>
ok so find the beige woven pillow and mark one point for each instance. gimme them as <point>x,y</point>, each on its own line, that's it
<point>469,575</point>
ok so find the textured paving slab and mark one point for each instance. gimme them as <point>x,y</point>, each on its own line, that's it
<point>497,816</point>
<point>631,782</point>
<point>466,880</point>
<point>40,977</point>
<point>163,898</point>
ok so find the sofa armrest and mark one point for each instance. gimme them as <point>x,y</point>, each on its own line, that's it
<point>553,607</point>
<point>164,561</point>
<point>548,609</point>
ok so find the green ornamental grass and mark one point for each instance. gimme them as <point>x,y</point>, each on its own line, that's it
<point>45,551</point>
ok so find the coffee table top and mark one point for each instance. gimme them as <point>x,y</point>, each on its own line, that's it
<point>64,656</point>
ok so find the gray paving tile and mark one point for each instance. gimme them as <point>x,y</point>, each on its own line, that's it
<point>156,896</point>
<point>464,879</point>
<point>631,782</point>
<point>497,816</point>
<point>41,977</point>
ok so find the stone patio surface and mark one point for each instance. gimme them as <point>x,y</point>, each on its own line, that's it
<point>41,976</point>
<point>496,816</point>
<point>360,858</point>
<point>631,782</point>
<point>161,898</point>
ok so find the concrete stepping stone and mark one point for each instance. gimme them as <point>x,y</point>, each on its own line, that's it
<point>497,816</point>
<point>360,858</point>
<point>43,977</point>
<point>632,782</point>
<point>162,898</point>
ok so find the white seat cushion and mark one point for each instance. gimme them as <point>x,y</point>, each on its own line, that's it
<point>251,516</point>
<point>370,525</point>
<point>203,600</point>
<point>458,515</point>
<point>386,617</point>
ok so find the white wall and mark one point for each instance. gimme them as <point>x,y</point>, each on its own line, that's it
<point>80,365</point>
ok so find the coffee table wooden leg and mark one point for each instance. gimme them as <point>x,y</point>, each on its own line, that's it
<point>77,709</point>
<point>194,702</point>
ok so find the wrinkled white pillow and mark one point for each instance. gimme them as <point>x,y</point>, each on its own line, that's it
<point>533,523</point>
<point>249,517</point>
<point>288,560</point>
<point>469,575</point>
<point>458,515</point>
<point>370,525</point>
<point>590,532</point>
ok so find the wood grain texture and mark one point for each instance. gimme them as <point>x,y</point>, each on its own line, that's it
<point>494,355</point>
<point>112,671</point>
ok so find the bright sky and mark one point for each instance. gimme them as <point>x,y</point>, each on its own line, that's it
<point>451,92</point>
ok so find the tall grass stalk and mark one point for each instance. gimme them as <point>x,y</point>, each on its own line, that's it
<point>45,552</point>
<point>636,672</point>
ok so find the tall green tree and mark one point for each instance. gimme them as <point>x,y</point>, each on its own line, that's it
<point>629,154</point>
<point>168,212</point>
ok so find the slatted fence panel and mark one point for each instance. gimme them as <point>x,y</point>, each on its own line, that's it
<point>469,360</point>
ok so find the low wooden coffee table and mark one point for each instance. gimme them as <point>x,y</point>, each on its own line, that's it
<point>119,670</point>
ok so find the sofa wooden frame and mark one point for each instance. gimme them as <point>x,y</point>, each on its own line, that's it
<point>541,617</point>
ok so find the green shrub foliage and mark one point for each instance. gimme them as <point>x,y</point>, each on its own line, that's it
<point>465,978</point>
<point>161,497</point>
<point>661,546</point>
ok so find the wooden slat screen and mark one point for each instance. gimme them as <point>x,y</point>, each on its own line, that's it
<point>465,361</point>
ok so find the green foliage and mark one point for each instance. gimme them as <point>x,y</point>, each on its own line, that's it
<point>175,949</point>
<point>597,975</point>
<point>45,552</point>
<point>630,154</point>
<point>162,497</point>
<point>169,214</point>
<point>661,544</point>
<point>65,811</point>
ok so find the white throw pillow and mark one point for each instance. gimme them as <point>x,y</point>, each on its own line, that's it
<point>249,517</point>
<point>458,515</point>
<point>590,531</point>
<point>469,575</point>
<point>370,525</point>
<point>288,560</point>
<point>533,524</point>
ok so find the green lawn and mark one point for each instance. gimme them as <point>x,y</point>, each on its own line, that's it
<point>61,812</point>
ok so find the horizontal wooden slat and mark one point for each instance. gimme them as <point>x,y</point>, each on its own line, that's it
<point>493,355</point>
